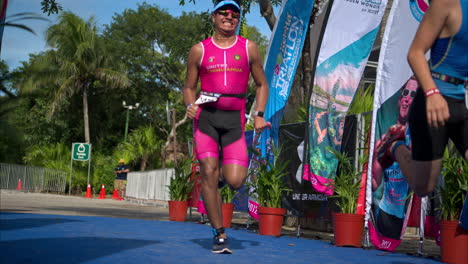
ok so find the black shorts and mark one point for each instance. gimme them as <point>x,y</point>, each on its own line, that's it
<point>217,129</point>
<point>429,143</point>
<point>388,225</point>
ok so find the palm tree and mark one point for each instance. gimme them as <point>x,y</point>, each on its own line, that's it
<point>142,144</point>
<point>81,60</point>
<point>13,21</point>
<point>8,95</point>
<point>57,156</point>
<point>54,156</point>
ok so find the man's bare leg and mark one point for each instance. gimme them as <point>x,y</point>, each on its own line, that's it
<point>234,175</point>
<point>209,172</point>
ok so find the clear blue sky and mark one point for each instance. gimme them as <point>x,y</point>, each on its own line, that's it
<point>18,44</point>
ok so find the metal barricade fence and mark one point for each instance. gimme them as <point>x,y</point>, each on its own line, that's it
<point>149,185</point>
<point>35,179</point>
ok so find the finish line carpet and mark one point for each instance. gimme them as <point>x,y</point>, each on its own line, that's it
<point>36,238</point>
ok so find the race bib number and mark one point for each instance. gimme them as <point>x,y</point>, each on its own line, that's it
<point>203,99</point>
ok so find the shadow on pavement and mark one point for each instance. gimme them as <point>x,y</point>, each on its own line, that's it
<point>234,243</point>
<point>111,212</point>
<point>23,223</point>
<point>65,250</point>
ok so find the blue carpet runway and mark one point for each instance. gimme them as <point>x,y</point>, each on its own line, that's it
<point>35,238</point>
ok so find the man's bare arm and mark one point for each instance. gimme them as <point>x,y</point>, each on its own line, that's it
<point>190,89</point>
<point>258,75</point>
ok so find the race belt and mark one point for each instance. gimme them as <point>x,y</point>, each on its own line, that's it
<point>207,97</point>
<point>240,95</point>
<point>450,79</point>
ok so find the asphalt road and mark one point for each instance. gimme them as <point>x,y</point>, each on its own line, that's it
<point>41,203</point>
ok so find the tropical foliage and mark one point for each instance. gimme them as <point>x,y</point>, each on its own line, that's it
<point>455,187</point>
<point>142,145</point>
<point>181,185</point>
<point>50,7</point>
<point>227,193</point>
<point>81,61</point>
<point>347,184</point>
<point>73,91</point>
<point>13,21</point>
<point>267,180</point>
<point>363,100</point>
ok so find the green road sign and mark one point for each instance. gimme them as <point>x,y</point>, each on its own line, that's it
<point>81,151</point>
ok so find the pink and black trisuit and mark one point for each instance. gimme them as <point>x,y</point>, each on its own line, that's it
<point>221,124</point>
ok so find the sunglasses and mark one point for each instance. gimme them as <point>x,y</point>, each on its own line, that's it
<point>406,92</point>
<point>226,13</point>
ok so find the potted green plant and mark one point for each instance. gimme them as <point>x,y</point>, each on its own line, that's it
<point>227,195</point>
<point>269,188</point>
<point>453,239</point>
<point>348,226</point>
<point>180,187</point>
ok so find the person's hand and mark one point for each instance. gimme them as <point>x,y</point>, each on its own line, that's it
<point>192,111</point>
<point>436,110</point>
<point>260,124</point>
<point>320,137</point>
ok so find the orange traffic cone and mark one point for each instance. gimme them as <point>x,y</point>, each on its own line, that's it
<point>20,185</point>
<point>102,194</point>
<point>115,195</point>
<point>88,192</point>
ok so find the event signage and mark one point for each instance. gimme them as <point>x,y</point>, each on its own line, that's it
<point>348,40</point>
<point>81,151</point>
<point>394,92</point>
<point>283,56</point>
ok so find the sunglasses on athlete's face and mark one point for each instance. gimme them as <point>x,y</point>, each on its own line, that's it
<point>226,13</point>
<point>406,92</point>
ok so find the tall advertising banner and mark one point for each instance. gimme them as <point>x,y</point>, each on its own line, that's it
<point>283,57</point>
<point>349,36</point>
<point>388,203</point>
<point>3,7</point>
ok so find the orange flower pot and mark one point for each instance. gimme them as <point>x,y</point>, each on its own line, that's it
<point>270,220</point>
<point>228,210</point>
<point>453,243</point>
<point>348,229</point>
<point>177,210</point>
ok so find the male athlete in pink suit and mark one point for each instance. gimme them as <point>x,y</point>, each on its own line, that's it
<point>223,63</point>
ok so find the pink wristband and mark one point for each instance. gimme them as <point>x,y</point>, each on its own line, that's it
<point>431,92</point>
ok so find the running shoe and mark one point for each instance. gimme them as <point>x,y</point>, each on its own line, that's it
<point>221,246</point>
<point>383,150</point>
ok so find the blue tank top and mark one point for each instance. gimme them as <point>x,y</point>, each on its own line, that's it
<point>395,187</point>
<point>449,56</point>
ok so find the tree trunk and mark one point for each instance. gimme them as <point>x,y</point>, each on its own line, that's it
<point>266,11</point>
<point>143,162</point>
<point>85,113</point>
<point>301,84</point>
<point>170,136</point>
<point>306,67</point>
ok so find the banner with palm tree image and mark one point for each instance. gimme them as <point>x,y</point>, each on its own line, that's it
<point>349,36</point>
